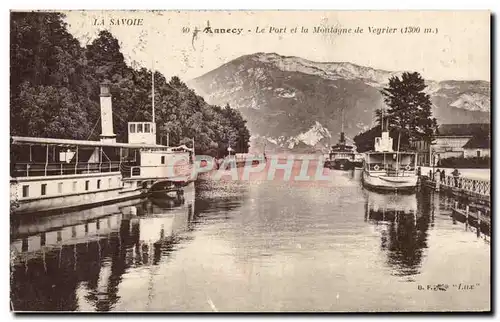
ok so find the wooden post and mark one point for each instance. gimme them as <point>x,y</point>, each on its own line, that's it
<point>76,160</point>
<point>478,223</point>
<point>100,159</point>
<point>120,165</point>
<point>46,159</point>
<point>367,209</point>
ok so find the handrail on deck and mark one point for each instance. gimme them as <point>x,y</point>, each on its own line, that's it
<point>24,169</point>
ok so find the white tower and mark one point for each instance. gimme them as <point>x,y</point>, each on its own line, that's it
<point>107,134</point>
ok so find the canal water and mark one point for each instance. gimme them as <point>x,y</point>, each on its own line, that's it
<point>259,245</point>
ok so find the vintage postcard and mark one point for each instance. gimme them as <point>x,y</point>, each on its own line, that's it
<point>250,161</point>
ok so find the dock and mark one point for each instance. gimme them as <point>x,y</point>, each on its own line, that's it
<point>472,198</point>
<point>471,188</point>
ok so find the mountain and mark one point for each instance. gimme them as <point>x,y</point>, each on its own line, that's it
<point>293,103</point>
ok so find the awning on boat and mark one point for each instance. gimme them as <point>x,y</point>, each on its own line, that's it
<point>72,143</point>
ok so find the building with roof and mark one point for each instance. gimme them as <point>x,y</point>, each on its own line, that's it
<point>455,140</point>
<point>478,146</point>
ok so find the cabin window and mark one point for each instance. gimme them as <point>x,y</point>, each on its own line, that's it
<point>44,189</point>
<point>147,128</point>
<point>99,184</point>
<point>74,186</point>
<point>60,187</point>
<point>109,183</point>
<point>132,128</point>
<point>478,153</point>
<point>87,185</point>
<point>139,128</point>
<point>26,191</point>
<point>162,159</point>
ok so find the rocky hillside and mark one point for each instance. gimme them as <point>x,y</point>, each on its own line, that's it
<point>293,103</point>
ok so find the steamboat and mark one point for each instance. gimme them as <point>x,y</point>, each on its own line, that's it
<point>51,174</point>
<point>341,156</point>
<point>388,170</point>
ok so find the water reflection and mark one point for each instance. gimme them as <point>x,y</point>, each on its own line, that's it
<point>248,246</point>
<point>403,222</point>
<point>76,261</point>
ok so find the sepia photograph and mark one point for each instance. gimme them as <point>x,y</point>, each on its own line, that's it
<point>250,161</point>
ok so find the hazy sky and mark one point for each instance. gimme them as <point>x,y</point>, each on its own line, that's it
<point>459,50</point>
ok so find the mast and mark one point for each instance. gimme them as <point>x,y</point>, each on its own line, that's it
<point>342,120</point>
<point>397,154</point>
<point>153,91</point>
<point>382,121</point>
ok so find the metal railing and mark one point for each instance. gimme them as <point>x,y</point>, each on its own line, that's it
<point>481,187</point>
<point>61,168</point>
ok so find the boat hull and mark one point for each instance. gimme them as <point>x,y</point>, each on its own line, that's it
<point>70,191</point>
<point>339,164</point>
<point>343,164</point>
<point>383,183</point>
<point>75,201</point>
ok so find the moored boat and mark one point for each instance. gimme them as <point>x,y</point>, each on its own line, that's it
<point>50,174</point>
<point>385,169</point>
<point>341,156</point>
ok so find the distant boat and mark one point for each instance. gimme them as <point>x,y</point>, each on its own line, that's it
<point>385,169</point>
<point>341,156</point>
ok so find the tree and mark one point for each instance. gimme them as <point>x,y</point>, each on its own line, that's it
<point>54,91</point>
<point>409,108</point>
<point>49,78</point>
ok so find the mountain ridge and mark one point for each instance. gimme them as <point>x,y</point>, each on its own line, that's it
<point>287,96</point>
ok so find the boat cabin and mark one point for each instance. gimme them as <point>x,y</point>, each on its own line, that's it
<point>142,132</point>
<point>141,156</point>
<point>341,150</point>
<point>385,160</point>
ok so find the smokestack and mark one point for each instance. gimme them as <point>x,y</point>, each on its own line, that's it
<point>107,134</point>
<point>342,137</point>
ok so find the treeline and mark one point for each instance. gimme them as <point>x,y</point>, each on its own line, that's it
<point>407,118</point>
<point>54,91</point>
